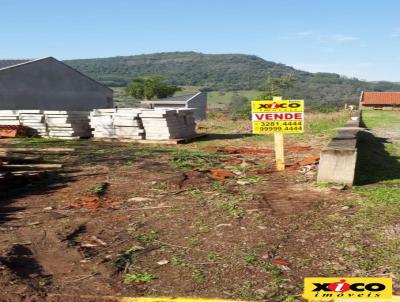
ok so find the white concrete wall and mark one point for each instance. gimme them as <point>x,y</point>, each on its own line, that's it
<point>200,103</point>
<point>338,159</point>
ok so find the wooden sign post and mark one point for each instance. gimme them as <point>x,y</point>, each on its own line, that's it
<point>279,151</point>
<point>278,116</point>
<point>279,146</point>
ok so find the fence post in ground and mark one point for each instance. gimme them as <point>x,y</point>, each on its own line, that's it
<point>338,159</point>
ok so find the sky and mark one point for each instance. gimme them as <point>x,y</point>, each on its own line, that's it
<point>353,38</point>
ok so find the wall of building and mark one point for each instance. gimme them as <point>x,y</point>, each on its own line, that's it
<point>174,106</point>
<point>381,107</point>
<point>200,103</point>
<point>50,85</point>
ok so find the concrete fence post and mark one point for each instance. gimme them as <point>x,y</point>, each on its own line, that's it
<point>338,159</point>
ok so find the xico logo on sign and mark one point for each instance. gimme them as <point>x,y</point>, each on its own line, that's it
<point>326,289</point>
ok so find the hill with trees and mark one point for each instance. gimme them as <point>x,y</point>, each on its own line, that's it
<point>226,72</point>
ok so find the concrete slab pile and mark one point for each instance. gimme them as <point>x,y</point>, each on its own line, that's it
<point>128,124</point>
<point>68,124</point>
<point>35,121</point>
<point>102,123</point>
<point>9,117</point>
<point>164,124</point>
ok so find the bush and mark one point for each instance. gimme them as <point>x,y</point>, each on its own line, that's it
<point>239,106</point>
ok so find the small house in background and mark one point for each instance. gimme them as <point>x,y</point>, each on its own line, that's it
<point>48,84</point>
<point>380,100</point>
<point>195,100</point>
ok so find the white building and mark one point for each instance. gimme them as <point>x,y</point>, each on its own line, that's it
<point>196,100</point>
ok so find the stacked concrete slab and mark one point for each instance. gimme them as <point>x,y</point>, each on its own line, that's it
<point>163,124</point>
<point>117,123</point>
<point>9,118</point>
<point>102,123</point>
<point>139,123</point>
<point>128,124</point>
<point>35,121</point>
<point>68,124</point>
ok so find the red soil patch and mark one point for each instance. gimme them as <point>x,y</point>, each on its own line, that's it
<point>308,161</point>
<point>299,148</point>
<point>220,174</point>
<point>245,150</point>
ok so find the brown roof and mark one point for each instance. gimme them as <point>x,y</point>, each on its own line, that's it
<point>380,98</point>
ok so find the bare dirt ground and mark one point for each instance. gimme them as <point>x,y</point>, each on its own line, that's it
<point>137,220</point>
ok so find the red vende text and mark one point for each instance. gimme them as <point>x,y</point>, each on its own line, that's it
<point>278,116</point>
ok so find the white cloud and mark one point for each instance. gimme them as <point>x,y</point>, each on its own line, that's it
<point>343,38</point>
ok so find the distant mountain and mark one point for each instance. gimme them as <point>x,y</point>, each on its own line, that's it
<point>226,72</point>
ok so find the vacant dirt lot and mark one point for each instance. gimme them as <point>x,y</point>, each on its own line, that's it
<point>189,220</point>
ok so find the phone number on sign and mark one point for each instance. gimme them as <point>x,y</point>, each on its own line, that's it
<point>273,129</point>
<point>280,124</point>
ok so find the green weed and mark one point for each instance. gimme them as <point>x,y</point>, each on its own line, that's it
<point>160,185</point>
<point>250,259</point>
<point>271,269</point>
<point>101,189</point>
<point>232,210</point>
<point>126,258</point>
<point>199,276</point>
<point>194,241</point>
<point>382,195</point>
<point>148,237</point>
<point>176,261</point>
<point>290,298</point>
<point>246,292</point>
<point>211,256</point>
<point>135,277</point>
<point>184,159</point>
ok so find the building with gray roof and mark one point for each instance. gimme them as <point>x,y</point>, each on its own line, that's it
<point>49,84</point>
<point>195,100</point>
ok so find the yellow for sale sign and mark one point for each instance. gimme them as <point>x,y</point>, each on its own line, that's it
<point>283,116</point>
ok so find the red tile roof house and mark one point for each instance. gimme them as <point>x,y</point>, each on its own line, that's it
<point>380,100</point>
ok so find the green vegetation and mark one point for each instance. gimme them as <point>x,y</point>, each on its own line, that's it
<point>135,277</point>
<point>101,189</point>
<point>149,88</point>
<point>199,276</point>
<point>148,237</point>
<point>227,72</point>
<point>246,292</point>
<point>250,259</point>
<point>221,99</point>
<point>240,106</point>
<point>121,99</point>
<point>377,154</point>
<point>377,177</point>
<point>184,159</point>
<point>381,119</point>
<point>211,256</point>
<point>276,86</point>
<point>127,258</point>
